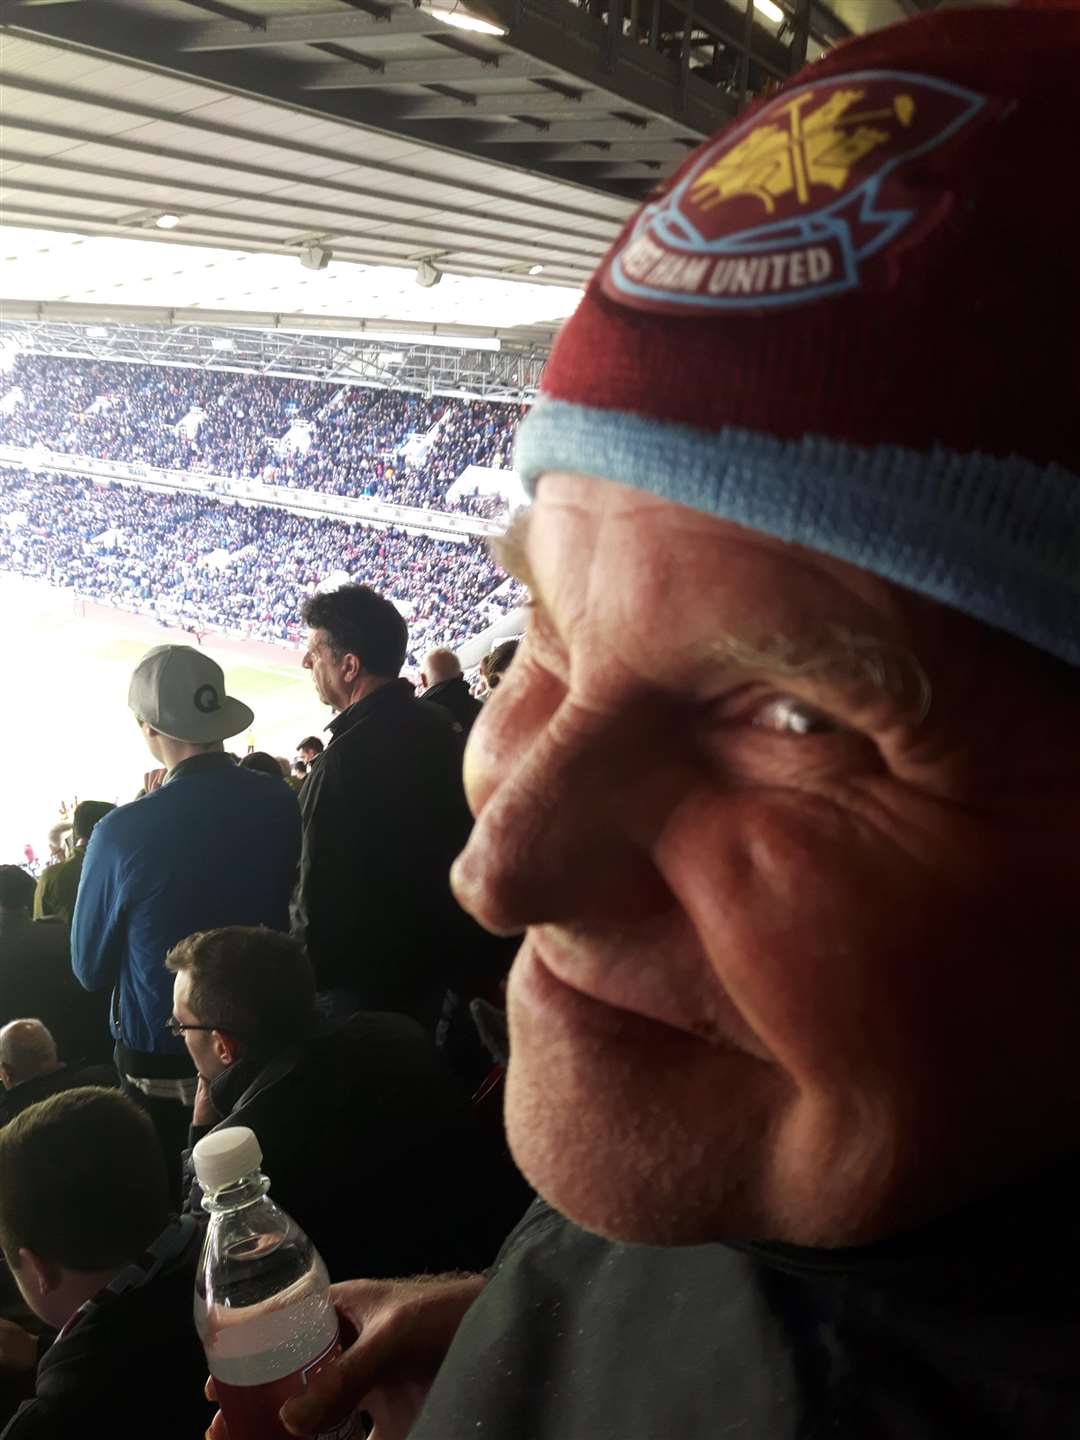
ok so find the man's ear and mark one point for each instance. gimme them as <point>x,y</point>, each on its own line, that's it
<point>352,667</point>
<point>224,1046</point>
<point>5,1076</point>
<point>39,1276</point>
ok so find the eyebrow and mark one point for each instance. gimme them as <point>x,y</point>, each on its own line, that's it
<point>837,659</point>
<point>834,658</point>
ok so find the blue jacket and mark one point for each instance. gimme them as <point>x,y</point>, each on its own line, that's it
<point>216,845</point>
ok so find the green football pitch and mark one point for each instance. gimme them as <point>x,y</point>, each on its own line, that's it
<point>65,729</point>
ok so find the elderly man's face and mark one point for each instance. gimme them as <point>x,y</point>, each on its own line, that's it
<point>793,925</point>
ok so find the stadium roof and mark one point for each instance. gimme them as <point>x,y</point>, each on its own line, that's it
<point>374,129</point>
<point>259,184</point>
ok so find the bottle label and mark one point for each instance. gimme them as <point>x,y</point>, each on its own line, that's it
<point>252,1411</point>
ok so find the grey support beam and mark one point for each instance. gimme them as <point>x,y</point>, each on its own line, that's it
<point>603,128</point>
<point>323,29</point>
<point>536,102</point>
<point>660,151</point>
<point>342,75</point>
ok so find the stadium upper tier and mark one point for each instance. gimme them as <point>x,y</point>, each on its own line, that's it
<point>392,445</point>
<point>195,561</point>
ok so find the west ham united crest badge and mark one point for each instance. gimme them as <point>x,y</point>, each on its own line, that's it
<point>788,207</point>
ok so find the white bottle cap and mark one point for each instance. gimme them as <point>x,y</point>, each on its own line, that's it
<point>226,1156</point>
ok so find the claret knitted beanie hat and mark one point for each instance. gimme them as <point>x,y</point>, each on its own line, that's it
<point>852,321</point>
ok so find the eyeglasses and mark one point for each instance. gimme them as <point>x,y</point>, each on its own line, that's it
<point>177,1027</point>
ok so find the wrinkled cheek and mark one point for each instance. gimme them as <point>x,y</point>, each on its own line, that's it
<point>799,930</point>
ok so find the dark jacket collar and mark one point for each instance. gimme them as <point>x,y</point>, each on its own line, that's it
<point>393,693</point>
<point>247,1077</point>
<point>457,682</point>
<point>200,765</point>
<point>986,1243</point>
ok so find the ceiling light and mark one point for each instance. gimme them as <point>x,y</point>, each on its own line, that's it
<point>168,221</point>
<point>315,257</point>
<point>462,21</point>
<point>221,342</point>
<point>535,270</point>
<point>770,10</point>
<point>427,274</point>
<point>96,332</point>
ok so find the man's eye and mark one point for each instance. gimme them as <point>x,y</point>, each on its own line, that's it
<point>793,717</point>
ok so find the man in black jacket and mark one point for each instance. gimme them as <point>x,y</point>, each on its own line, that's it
<point>384,814</point>
<point>367,1140</point>
<point>86,1230</point>
<point>446,686</point>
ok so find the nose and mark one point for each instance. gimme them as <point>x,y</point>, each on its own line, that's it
<point>561,833</point>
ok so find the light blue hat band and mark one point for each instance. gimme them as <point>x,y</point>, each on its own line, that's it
<point>996,539</point>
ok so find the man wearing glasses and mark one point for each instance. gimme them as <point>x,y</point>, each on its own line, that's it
<point>335,1107</point>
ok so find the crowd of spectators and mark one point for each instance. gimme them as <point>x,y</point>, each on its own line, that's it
<point>167,974</point>
<point>204,563</point>
<point>351,441</point>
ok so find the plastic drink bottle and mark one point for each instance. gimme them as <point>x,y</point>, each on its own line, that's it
<point>262,1294</point>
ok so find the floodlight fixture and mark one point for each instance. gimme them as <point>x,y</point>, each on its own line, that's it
<point>461,20</point>
<point>167,221</point>
<point>427,274</point>
<point>316,257</point>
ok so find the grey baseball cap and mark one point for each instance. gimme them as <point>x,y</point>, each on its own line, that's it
<point>180,691</point>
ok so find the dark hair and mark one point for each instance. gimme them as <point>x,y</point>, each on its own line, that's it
<point>312,743</point>
<point>250,982</point>
<point>359,622</point>
<point>86,816</point>
<point>16,888</point>
<point>262,762</point>
<point>83,1182</point>
<point>495,665</point>
<point>300,767</point>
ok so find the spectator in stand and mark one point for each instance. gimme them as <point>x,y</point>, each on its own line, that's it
<point>785,784</point>
<point>497,661</point>
<point>329,1102</point>
<point>445,685</point>
<point>262,763</point>
<point>215,844</point>
<point>36,978</point>
<point>310,749</point>
<point>59,842</point>
<point>58,885</point>
<point>31,1070</point>
<point>384,814</point>
<point>86,1229</point>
